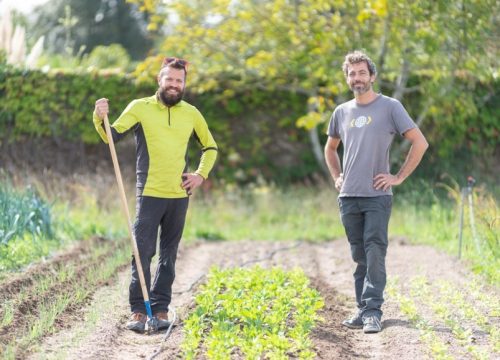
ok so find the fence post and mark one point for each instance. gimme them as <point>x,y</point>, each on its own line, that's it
<point>460,229</point>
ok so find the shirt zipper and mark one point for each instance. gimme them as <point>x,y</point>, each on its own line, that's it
<point>168,116</point>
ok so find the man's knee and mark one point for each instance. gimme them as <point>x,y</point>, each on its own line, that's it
<point>358,254</point>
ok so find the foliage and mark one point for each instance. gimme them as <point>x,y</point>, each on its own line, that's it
<point>32,228</point>
<point>438,224</point>
<point>23,213</point>
<point>58,104</point>
<point>265,213</point>
<point>254,132</point>
<point>95,22</point>
<point>255,129</point>
<point>256,312</point>
<point>27,228</point>
<point>438,57</point>
<point>105,57</point>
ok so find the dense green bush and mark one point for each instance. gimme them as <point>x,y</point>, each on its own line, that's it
<point>59,104</point>
<point>255,129</point>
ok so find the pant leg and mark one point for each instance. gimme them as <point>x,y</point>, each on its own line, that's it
<point>172,226</point>
<point>149,212</point>
<point>353,221</point>
<point>377,211</point>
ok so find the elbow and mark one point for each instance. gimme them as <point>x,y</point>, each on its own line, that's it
<point>424,145</point>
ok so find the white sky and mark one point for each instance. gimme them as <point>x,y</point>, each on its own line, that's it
<point>24,6</point>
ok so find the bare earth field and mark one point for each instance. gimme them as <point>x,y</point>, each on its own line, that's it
<point>97,331</point>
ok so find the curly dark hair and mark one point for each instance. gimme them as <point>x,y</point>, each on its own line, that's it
<point>175,63</point>
<point>356,57</point>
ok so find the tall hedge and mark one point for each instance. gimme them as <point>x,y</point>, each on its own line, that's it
<point>255,131</point>
<point>59,104</point>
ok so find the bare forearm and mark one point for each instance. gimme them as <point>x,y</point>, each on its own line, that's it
<point>333,162</point>
<point>412,160</point>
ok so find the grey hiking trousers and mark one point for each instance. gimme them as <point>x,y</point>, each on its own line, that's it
<point>169,216</point>
<point>366,220</point>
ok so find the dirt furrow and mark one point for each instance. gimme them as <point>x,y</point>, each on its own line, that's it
<point>101,333</point>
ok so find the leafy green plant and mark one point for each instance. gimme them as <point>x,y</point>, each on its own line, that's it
<point>23,213</point>
<point>254,312</point>
<point>31,227</point>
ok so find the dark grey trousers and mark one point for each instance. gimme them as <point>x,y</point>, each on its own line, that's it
<point>366,220</point>
<point>169,216</point>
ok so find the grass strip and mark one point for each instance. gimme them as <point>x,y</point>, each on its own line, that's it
<point>459,310</point>
<point>436,347</point>
<point>461,332</point>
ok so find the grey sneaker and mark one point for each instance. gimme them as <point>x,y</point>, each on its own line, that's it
<point>371,325</point>
<point>137,322</point>
<point>355,322</point>
<point>163,322</point>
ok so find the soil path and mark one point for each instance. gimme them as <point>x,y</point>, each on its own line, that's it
<point>101,333</point>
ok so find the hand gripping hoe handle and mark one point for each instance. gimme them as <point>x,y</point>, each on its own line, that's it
<point>152,323</point>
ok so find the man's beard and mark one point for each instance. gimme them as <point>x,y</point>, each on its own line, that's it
<point>170,99</point>
<point>361,90</point>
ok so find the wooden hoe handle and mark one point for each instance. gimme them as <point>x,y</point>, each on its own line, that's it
<point>127,213</point>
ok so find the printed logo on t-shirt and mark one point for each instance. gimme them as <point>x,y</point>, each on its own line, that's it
<point>361,121</point>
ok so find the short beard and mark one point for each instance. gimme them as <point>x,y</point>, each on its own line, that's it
<point>363,90</point>
<point>170,100</point>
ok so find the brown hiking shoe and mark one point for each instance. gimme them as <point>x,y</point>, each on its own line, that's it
<point>163,322</point>
<point>137,322</point>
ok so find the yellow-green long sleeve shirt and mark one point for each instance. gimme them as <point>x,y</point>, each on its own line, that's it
<point>162,135</point>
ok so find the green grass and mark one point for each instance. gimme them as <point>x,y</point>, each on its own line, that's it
<point>86,207</point>
<point>299,213</point>
<point>32,227</point>
<point>26,226</point>
<point>265,213</point>
<point>437,223</point>
<point>256,312</point>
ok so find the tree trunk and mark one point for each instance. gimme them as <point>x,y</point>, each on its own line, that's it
<point>316,147</point>
<point>402,79</point>
<point>317,150</point>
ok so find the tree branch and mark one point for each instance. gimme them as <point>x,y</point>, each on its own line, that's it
<point>402,78</point>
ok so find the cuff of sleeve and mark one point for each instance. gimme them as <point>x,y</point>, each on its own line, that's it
<point>197,172</point>
<point>97,120</point>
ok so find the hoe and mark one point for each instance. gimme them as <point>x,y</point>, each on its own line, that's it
<point>152,322</point>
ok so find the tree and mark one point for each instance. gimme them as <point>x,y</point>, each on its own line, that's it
<point>92,23</point>
<point>438,50</point>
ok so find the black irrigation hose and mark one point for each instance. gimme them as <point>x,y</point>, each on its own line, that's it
<point>167,334</point>
<point>169,330</point>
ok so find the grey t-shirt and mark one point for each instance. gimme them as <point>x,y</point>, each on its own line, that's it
<point>367,131</point>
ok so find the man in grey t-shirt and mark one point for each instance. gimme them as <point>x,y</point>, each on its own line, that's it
<point>366,126</point>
